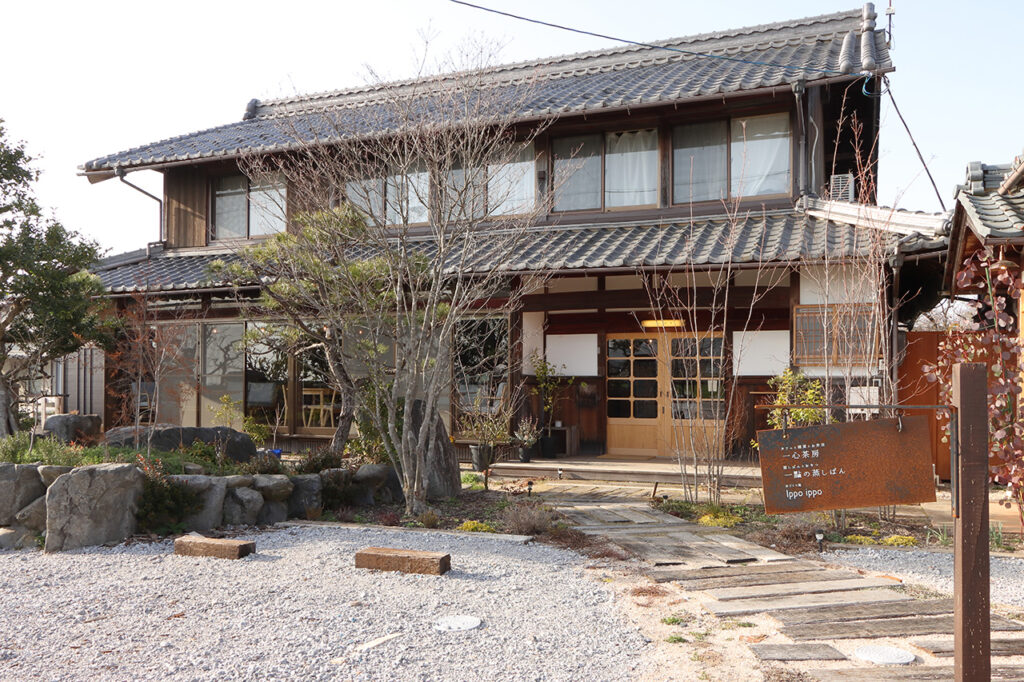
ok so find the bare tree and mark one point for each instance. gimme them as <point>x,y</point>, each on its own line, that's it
<point>403,213</point>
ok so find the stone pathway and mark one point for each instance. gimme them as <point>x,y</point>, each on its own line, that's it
<point>733,577</point>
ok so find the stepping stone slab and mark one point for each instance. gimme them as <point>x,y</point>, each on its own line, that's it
<point>714,549</point>
<point>889,627</point>
<point>744,607</point>
<point>922,673</point>
<point>682,575</point>
<point>798,589</point>
<point>796,652</point>
<point>884,655</point>
<point>220,548</point>
<point>945,648</point>
<point>830,614</point>
<point>767,579</point>
<point>404,560</point>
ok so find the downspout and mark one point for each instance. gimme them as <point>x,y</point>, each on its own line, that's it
<point>798,92</point>
<point>120,173</point>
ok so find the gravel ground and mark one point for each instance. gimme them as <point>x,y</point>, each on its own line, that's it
<point>298,609</point>
<point>934,570</point>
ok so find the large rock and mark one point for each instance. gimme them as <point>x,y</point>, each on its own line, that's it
<point>272,512</point>
<point>15,538</point>
<point>273,487</point>
<point>19,485</point>
<point>50,472</point>
<point>211,492</point>
<point>377,482</point>
<point>443,474</point>
<point>169,437</point>
<point>92,505</point>
<point>74,428</point>
<point>238,481</point>
<point>242,507</point>
<point>305,495</point>
<point>33,516</point>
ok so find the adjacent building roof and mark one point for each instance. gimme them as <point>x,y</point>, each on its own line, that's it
<point>832,46</point>
<point>992,200</point>
<point>786,236</point>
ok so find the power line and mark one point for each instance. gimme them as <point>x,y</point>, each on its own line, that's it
<point>913,142</point>
<point>640,44</point>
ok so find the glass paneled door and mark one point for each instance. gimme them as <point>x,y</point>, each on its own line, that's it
<point>665,393</point>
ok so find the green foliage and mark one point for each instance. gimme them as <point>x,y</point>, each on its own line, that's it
<point>315,461</point>
<point>675,620</point>
<point>258,431</point>
<point>720,520</point>
<point>227,412</point>
<point>860,540</point>
<point>429,519</point>
<point>793,388</point>
<point>473,481</point>
<point>164,504</point>
<point>51,301</point>
<point>263,464</point>
<point>940,536</point>
<point>676,639</point>
<point>550,386</point>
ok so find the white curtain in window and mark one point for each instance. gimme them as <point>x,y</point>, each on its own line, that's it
<point>407,197</point>
<point>464,194</point>
<point>511,187</point>
<point>367,196</point>
<point>631,169</point>
<point>699,168</point>
<point>267,207</point>
<point>229,209</point>
<point>577,172</point>
<point>760,155</point>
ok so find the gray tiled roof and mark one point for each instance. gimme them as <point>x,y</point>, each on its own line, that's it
<point>776,236</point>
<point>828,46</point>
<point>992,214</point>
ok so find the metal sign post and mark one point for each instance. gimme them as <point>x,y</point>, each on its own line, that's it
<point>972,632</point>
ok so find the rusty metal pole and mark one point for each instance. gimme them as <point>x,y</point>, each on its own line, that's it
<point>971,563</point>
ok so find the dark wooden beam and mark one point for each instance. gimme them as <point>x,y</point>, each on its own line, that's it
<point>702,297</point>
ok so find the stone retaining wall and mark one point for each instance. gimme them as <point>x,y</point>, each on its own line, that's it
<point>96,504</point>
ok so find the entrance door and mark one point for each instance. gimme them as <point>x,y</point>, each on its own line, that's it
<point>665,393</point>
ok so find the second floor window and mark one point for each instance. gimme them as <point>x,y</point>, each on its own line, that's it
<point>244,209</point>
<point>614,170</point>
<point>742,157</point>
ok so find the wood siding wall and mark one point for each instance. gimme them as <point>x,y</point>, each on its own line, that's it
<point>186,204</point>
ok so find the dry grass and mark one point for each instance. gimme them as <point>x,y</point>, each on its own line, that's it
<point>792,537</point>
<point>527,517</point>
<point>649,591</point>
<point>592,546</point>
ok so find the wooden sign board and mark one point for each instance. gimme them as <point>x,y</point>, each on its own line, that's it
<point>846,465</point>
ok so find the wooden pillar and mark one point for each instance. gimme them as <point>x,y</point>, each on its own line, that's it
<point>972,655</point>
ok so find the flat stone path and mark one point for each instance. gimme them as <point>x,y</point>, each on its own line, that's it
<point>732,577</point>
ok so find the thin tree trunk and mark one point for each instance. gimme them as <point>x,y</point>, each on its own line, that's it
<point>8,415</point>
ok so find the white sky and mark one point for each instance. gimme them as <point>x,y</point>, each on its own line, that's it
<point>80,80</point>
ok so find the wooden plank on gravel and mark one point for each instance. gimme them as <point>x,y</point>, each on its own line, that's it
<point>712,548</point>
<point>661,553</point>
<point>752,548</point>
<point>601,515</point>
<point>798,589</point>
<point>888,627</point>
<point>754,579</point>
<point>666,574</point>
<point>797,652</point>
<point>922,673</point>
<point>630,513</point>
<point>744,607</point>
<point>831,614</point>
<point>943,648</point>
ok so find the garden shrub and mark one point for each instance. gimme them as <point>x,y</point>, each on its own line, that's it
<point>164,504</point>
<point>263,464</point>
<point>429,519</point>
<point>315,461</point>
<point>860,540</point>
<point>476,527</point>
<point>720,519</point>
<point>527,517</point>
<point>900,541</point>
<point>386,517</point>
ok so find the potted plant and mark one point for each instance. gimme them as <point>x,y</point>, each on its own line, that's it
<point>550,384</point>
<point>526,435</point>
<point>487,429</point>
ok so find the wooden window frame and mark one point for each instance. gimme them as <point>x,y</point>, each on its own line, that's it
<point>728,159</point>
<point>828,347</point>
<point>211,231</point>
<point>551,190</point>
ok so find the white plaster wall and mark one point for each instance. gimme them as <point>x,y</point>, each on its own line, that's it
<point>760,353</point>
<point>533,339</point>
<point>842,285</point>
<point>619,282</point>
<point>573,354</point>
<point>838,372</point>
<point>765,277</point>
